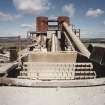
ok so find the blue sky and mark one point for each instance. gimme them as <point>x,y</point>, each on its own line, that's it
<point>18,16</point>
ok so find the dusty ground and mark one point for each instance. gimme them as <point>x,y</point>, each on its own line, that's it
<point>52,96</point>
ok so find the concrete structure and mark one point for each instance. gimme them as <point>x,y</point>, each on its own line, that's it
<point>53,53</point>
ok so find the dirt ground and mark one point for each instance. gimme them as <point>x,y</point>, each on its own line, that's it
<point>52,96</point>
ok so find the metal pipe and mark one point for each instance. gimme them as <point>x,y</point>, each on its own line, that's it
<point>76,40</point>
<point>53,49</point>
<point>55,43</point>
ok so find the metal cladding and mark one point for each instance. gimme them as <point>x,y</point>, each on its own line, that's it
<point>62,19</point>
<point>42,24</point>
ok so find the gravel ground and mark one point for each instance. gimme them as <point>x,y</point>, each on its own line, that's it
<point>52,96</point>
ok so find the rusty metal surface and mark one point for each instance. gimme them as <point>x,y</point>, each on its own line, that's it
<point>42,24</point>
<point>62,19</point>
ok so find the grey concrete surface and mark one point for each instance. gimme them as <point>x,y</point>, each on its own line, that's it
<point>52,96</point>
